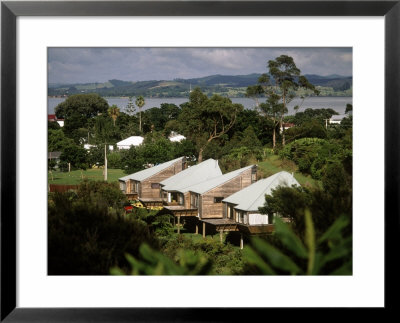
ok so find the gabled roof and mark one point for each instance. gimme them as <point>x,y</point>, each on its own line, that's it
<point>204,187</point>
<point>130,141</point>
<point>149,172</point>
<point>193,175</point>
<point>253,196</point>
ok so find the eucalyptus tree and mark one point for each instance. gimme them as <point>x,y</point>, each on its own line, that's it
<point>287,80</point>
<point>279,86</point>
<point>274,111</point>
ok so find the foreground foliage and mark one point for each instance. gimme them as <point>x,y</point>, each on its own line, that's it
<point>88,232</point>
<point>331,254</point>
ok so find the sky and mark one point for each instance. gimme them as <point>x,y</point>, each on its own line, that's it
<point>88,65</point>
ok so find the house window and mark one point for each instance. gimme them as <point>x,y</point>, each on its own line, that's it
<point>241,215</point>
<point>218,199</point>
<point>180,199</point>
<point>155,185</point>
<point>122,186</point>
<point>134,187</point>
<point>194,201</point>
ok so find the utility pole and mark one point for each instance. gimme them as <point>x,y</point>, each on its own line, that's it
<point>105,162</point>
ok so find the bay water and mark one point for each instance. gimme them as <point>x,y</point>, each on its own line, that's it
<point>336,103</point>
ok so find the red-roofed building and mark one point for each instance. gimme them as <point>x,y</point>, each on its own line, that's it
<point>286,125</point>
<point>53,118</point>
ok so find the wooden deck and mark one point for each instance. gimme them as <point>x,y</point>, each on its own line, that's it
<point>179,210</point>
<point>222,224</point>
<point>256,229</point>
<point>151,202</point>
<point>131,196</point>
<point>230,225</point>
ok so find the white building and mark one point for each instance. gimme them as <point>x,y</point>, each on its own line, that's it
<point>129,142</point>
<point>176,137</point>
<point>242,206</point>
<point>336,119</point>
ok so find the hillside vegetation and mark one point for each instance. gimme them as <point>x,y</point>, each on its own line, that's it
<point>226,85</point>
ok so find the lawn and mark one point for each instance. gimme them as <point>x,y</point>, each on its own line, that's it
<point>274,164</point>
<point>75,177</point>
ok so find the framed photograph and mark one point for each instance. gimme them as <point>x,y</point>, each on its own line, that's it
<point>41,40</point>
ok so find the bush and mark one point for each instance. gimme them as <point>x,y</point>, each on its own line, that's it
<point>312,155</point>
<point>331,254</point>
<point>88,232</point>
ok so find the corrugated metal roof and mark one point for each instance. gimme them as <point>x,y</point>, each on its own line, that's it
<point>130,141</point>
<point>193,175</point>
<point>148,172</point>
<point>253,196</point>
<point>203,187</point>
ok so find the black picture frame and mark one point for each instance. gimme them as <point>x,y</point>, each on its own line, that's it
<point>10,10</point>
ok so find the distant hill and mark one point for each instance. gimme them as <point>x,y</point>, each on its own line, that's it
<point>228,85</point>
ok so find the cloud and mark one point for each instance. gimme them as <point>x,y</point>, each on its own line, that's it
<point>83,65</point>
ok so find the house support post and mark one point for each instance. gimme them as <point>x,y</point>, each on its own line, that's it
<point>241,241</point>
<point>197,228</point>
<point>221,234</point>
<point>204,229</point>
<point>179,224</point>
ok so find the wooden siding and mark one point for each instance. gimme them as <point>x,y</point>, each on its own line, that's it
<point>146,191</point>
<point>211,210</point>
<point>186,198</point>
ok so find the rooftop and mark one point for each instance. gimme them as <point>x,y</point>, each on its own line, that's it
<point>130,141</point>
<point>193,175</point>
<point>149,172</point>
<point>253,196</point>
<point>205,186</point>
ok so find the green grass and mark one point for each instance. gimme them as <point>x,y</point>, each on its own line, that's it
<point>274,164</point>
<point>75,177</point>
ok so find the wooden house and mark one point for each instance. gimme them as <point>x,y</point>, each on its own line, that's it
<point>207,196</point>
<point>242,207</point>
<point>175,190</point>
<point>145,184</point>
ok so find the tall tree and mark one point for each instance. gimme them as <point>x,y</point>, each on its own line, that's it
<point>130,108</point>
<point>288,80</point>
<point>255,92</point>
<point>113,112</point>
<point>205,119</point>
<point>140,103</point>
<point>279,86</point>
<point>273,110</point>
